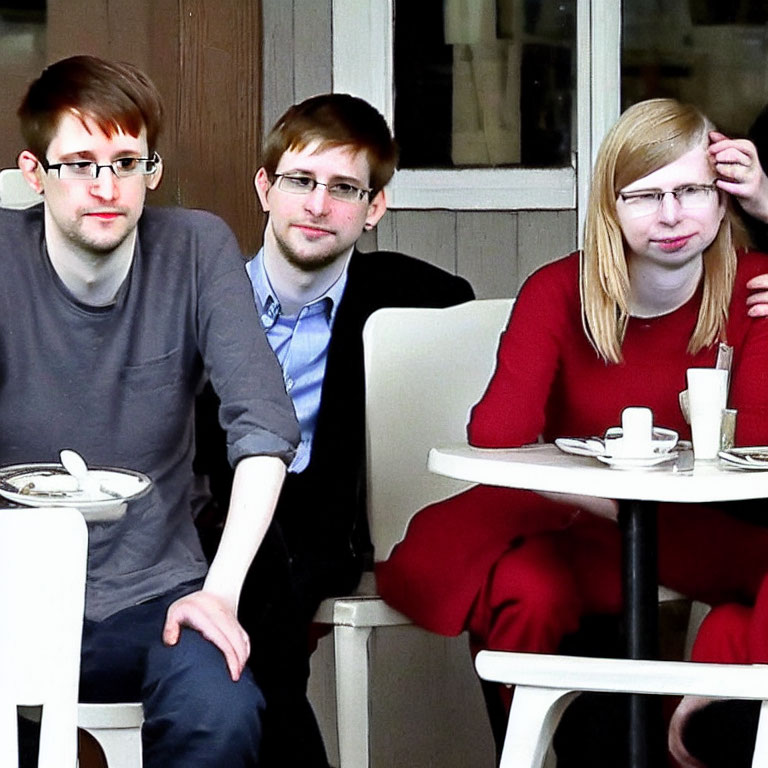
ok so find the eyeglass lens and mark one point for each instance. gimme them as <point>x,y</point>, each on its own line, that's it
<point>304,185</point>
<point>122,167</point>
<point>688,197</point>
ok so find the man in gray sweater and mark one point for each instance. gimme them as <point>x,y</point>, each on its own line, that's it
<point>113,316</point>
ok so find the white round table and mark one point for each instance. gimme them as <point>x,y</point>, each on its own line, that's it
<point>543,467</point>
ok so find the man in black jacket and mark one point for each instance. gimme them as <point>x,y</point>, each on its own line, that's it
<point>325,164</point>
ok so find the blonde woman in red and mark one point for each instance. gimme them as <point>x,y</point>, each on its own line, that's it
<point>657,286</point>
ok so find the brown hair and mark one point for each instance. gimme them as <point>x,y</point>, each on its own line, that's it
<point>117,96</point>
<point>646,137</point>
<point>334,120</point>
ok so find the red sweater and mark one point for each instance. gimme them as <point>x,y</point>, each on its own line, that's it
<point>550,381</point>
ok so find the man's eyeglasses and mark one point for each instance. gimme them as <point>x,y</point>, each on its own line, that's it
<point>88,169</point>
<point>644,202</point>
<point>302,185</point>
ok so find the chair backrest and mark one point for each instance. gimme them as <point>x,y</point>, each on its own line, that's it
<point>14,190</point>
<point>43,556</point>
<point>424,370</point>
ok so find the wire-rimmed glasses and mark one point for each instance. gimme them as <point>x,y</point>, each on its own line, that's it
<point>123,167</point>
<point>299,184</point>
<point>644,202</point>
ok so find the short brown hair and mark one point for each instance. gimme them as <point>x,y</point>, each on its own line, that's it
<point>117,96</point>
<point>334,120</point>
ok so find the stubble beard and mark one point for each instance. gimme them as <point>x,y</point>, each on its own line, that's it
<point>90,244</point>
<point>307,263</point>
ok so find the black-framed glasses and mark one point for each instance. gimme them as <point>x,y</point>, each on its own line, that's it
<point>644,202</point>
<point>89,169</point>
<point>298,184</point>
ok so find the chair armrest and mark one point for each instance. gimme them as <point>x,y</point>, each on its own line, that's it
<point>359,611</point>
<point>578,673</point>
<point>122,715</point>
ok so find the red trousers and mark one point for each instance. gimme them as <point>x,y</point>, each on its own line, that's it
<point>519,572</point>
<point>735,634</point>
<point>540,588</point>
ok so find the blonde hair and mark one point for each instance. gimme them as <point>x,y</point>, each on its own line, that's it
<point>648,136</point>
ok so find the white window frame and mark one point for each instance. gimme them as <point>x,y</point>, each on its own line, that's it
<point>363,65</point>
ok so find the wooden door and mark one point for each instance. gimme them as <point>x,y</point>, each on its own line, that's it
<point>205,57</point>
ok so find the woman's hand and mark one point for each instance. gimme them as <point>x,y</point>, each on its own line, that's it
<point>757,302</point>
<point>740,173</point>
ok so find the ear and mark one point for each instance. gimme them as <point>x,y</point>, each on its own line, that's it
<point>153,180</point>
<point>723,205</point>
<point>31,170</point>
<point>262,184</point>
<point>376,209</point>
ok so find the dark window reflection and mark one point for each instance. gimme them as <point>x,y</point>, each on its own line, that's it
<point>423,89</point>
<point>708,52</point>
<point>479,84</point>
<point>22,57</point>
<point>23,11</point>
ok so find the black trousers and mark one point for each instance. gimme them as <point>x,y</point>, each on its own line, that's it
<point>280,597</point>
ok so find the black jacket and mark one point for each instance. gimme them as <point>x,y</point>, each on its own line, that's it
<point>321,514</point>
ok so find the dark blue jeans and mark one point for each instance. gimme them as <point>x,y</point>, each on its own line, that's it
<point>195,716</point>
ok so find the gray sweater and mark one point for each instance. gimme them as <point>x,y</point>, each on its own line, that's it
<point>118,384</point>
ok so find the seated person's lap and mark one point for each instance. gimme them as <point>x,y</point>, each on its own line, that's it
<point>124,659</point>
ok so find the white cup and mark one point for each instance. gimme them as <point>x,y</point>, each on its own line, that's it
<point>636,436</point>
<point>707,395</point>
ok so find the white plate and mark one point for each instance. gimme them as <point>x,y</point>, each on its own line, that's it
<point>581,446</point>
<point>45,485</point>
<point>620,462</point>
<point>753,457</point>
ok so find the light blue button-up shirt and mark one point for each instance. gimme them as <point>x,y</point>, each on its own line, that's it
<point>301,344</point>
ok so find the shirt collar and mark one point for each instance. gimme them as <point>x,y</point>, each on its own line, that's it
<point>266,298</point>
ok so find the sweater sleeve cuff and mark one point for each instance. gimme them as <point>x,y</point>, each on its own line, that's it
<point>261,443</point>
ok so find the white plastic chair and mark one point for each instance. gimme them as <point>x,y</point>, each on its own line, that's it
<point>424,369</point>
<point>117,729</point>
<point>14,190</point>
<point>546,684</point>
<point>43,556</point>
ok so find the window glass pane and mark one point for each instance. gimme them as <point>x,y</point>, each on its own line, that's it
<point>709,52</point>
<point>482,83</point>
<point>22,57</point>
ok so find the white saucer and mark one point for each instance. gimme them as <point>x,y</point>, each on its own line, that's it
<point>621,462</point>
<point>665,441</point>
<point>581,446</point>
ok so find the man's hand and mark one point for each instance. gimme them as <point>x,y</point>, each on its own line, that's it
<point>757,303</point>
<point>216,621</point>
<point>740,173</point>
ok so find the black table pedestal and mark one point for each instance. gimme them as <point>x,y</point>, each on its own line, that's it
<point>637,521</point>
